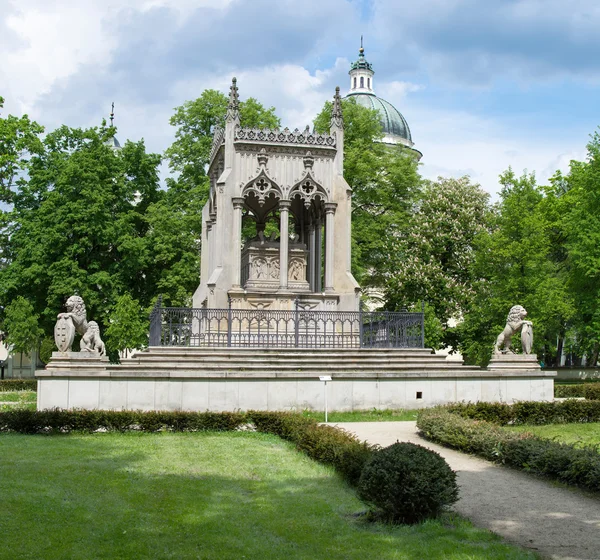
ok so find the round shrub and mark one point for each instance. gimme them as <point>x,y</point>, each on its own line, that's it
<point>407,483</point>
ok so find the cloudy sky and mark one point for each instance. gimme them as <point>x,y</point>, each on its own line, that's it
<point>483,84</point>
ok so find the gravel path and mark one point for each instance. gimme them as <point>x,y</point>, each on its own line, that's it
<point>559,523</point>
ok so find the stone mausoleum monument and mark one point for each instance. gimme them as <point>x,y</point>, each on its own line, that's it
<point>276,322</point>
<point>292,182</point>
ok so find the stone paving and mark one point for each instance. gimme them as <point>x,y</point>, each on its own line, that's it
<point>556,522</point>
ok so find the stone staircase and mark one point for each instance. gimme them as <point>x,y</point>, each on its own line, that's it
<point>277,362</point>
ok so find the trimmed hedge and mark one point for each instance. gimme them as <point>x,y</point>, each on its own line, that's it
<point>530,412</point>
<point>568,391</point>
<point>326,444</point>
<point>562,461</point>
<point>64,421</point>
<point>7,385</point>
<point>589,391</point>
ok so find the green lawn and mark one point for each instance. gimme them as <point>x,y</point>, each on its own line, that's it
<point>373,415</point>
<point>582,434</point>
<point>22,399</point>
<point>202,495</point>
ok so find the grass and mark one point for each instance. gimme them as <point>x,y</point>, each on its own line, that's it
<point>578,434</point>
<point>21,399</point>
<point>202,495</point>
<point>373,415</point>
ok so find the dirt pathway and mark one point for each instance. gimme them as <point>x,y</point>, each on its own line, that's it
<point>558,523</point>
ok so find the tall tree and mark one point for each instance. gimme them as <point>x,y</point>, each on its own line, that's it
<point>19,140</point>
<point>515,265</point>
<point>78,224</point>
<point>575,200</point>
<point>431,256</point>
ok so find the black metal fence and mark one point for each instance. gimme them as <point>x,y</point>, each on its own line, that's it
<point>300,328</point>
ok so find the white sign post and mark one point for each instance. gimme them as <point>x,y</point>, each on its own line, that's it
<point>325,379</point>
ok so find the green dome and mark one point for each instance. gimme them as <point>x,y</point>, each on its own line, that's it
<point>394,125</point>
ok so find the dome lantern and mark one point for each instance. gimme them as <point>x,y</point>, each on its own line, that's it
<point>361,73</point>
<point>394,126</point>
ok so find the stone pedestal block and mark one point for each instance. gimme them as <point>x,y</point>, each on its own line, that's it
<point>518,362</point>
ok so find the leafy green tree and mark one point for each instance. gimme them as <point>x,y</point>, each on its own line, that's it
<point>384,181</point>
<point>515,264</point>
<point>78,225</point>
<point>431,256</point>
<point>127,327</point>
<point>19,140</point>
<point>21,326</point>
<point>574,206</point>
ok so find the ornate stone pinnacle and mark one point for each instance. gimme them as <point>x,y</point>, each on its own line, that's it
<point>233,108</point>
<point>337,119</point>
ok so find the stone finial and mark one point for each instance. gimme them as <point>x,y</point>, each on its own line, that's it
<point>515,322</point>
<point>337,119</point>
<point>233,108</point>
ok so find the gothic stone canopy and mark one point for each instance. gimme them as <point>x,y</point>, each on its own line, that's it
<point>276,226</point>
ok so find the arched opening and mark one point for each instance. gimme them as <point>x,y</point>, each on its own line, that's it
<point>354,82</point>
<point>362,82</point>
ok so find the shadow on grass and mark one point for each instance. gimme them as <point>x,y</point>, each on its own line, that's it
<point>203,496</point>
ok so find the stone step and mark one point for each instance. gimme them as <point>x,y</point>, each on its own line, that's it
<point>216,358</point>
<point>287,366</point>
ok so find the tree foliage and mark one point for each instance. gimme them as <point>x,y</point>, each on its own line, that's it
<point>128,326</point>
<point>384,180</point>
<point>431,256</point>
<point>78,224</point>
<point>515,265</point>
<point>22,331</point>
<point>196,121</point>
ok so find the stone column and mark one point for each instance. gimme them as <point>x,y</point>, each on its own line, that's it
<point>284,239</point>
<point>318,269</point>
<point>238,205</point>
<point>329,213</point>
<point>311,257</point>
<point>213,241</point>
<point>208,251</point>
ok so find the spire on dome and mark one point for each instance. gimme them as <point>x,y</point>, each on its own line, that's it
<point>233,108</point>
<point>337,118</point>
<point>112,141</point>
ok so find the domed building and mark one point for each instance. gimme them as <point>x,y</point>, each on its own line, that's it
<point>395,128</point>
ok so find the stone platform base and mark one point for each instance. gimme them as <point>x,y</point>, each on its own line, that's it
<point>237,379</point>
<point>520,362</point>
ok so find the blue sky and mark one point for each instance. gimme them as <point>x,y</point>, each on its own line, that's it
<point>483,85</point>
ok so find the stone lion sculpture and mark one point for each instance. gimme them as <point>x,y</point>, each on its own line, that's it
<point>91,341</point>
<point>515,322</point>
<point>75,321</point>
<point>76,312</point>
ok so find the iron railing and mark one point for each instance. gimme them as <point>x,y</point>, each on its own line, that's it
<point>300,328</point>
